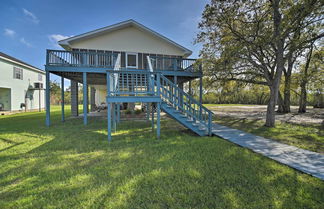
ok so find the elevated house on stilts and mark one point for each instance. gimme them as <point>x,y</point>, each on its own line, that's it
<point>127,63</point>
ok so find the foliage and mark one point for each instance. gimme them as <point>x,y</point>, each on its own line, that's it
<point>253,41</point>
<point>63,167</point>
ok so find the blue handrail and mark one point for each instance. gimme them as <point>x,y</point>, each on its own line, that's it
<point>185,103</point>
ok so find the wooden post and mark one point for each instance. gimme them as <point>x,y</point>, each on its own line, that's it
<point>147,111</point>
<point>152,110</point>
<point>200,97</point>
<point>114,116</point>
<point>108,107</point>
<point>158,107</point>
<point>62,98</point>
<point>109,121</point>
<point>85,99</point>
<point>175,92</point>
<point>158,123</point>
<point>118,112</point>
<point>48,114</point>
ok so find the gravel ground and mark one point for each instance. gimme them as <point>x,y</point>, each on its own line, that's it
<point>313,116</point>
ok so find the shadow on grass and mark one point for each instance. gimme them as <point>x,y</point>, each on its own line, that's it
<point>72,166</point>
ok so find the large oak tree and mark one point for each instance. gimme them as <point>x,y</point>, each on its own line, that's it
<point>252,41</point>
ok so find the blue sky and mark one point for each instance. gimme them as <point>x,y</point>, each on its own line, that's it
<point>29,27</point>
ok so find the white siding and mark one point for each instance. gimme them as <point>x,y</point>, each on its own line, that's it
<point>19,87</point>
<point>130,39</point>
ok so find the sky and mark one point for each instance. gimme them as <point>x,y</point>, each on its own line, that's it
<point>29,27</point>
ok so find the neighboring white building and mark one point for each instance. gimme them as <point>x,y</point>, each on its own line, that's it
<point>21,85</point>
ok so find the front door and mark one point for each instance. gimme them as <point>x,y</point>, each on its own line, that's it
<point>131,60</point>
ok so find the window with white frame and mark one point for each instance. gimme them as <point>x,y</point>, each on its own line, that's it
<point>131,60</point>
<point>40,77</point>
<point>18,73</point>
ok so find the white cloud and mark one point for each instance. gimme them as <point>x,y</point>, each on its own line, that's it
<point>54,38</point>
<point>23,41</point>
<point>10,33</point>
<point>31,16</point>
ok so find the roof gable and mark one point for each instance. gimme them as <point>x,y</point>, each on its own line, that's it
<point>19,62</point>
<point>67,43</point>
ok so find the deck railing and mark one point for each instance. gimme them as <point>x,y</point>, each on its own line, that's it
<point>62,58</point>
<point>173,64</point>
<point>81,58</point>
<point>132,83</point>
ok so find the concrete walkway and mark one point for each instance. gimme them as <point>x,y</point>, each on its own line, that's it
<point>303,160</point>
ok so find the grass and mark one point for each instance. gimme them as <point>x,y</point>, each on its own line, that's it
<point>310,137</point>
<point>73,166</point>
<point>221,105</point>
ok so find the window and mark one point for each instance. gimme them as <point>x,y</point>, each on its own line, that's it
<point>38,85</point>
<point>17,73</point>
<point>131,60</point>
<point>40,77</point>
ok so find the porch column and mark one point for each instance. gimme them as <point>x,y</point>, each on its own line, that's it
<point>152,110</point>
<point>158,124</point>
<point>74,98</point>
<point>158,107</point>
<point>62,98</point>
<point>85,99</point>
<point>109,121</point>
<point>200,96</point>
<point>48,115</point>
<point>190,94</point>
<point>108,108</point>
<point>147,111</point>
<point>118,112</point>
<point>114,116</point>
<point>92,99</point>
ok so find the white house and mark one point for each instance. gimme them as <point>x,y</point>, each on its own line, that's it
<point>21,85</point>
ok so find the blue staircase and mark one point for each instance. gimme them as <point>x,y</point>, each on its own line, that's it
<point>183,108</point>
<point>153,85</point>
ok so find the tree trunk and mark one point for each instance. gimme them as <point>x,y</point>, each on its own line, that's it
<point>275,83</point>
<point>280,103</point>
<point>286,99</point>
<point>302,98</point>
<point>285,106</point>
<point>271,108</point>
<point>303,90</point>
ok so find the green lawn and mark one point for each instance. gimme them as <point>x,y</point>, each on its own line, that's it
<point>221,105</point>
<point>72,166</point>
<point>309,137</point>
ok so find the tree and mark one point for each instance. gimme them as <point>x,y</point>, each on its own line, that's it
<point>312,70</point>
<point>55,92</point>
<point>303,26</point>
<point>246,41</point>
